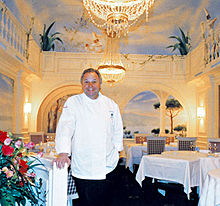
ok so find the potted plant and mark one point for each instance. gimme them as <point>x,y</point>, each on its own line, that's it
<point>47,41</point>
<point>17,176</point>
<point>183,43</point>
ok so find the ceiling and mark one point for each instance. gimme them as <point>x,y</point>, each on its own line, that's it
<point>146,38</point>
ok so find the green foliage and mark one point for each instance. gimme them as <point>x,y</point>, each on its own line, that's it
<point>18,181</point>
<point>173,108</point>
<point>47,41</point>
<point>170,104</point>
<point>157,131</point>
<point>183,44</point>
<point>127,134</point>
<point>180,128</point>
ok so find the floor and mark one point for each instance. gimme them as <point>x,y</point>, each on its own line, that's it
<point>129,193</point>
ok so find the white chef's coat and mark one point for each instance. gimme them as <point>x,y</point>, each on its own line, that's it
<point>92,132</point>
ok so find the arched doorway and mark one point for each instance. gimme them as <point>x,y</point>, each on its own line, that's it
<point>51,107</point>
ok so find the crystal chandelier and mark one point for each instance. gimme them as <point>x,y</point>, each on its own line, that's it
<point>111,67</point>
<point>116,16</point>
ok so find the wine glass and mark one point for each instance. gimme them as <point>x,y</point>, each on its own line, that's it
<point>210,147</point>
<point>215,147</point>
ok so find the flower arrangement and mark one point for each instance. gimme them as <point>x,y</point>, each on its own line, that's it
<point>17,177</point>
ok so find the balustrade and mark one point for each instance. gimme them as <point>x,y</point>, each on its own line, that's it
<point>15,40</point>
<point>12,33</point>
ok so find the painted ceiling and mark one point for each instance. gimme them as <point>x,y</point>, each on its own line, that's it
<point>78,33</point>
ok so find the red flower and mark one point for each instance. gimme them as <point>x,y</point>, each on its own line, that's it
<point>3,136</point>
<point>23,166</point>
<point>7,150</point>
<point>20,155</point>
<point>21,183</point>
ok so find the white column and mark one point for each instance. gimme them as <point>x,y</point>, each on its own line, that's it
<point>162,117</point>
<point>163,98</point>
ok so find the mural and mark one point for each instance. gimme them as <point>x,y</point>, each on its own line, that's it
<point>6,102</point>
<point>144,38</point>
<point>140,115</point>
<point>55,112</point>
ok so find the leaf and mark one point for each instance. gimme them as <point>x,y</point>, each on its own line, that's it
<point>49,28</point>
<point>183,44</point>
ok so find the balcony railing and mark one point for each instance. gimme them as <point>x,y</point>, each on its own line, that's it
<point>205,57</point>
<point>15,40</point>
<point>11,32</point>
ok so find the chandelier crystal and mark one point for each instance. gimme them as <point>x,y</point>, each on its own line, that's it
<point>116,16</point>
<point>111,67</point>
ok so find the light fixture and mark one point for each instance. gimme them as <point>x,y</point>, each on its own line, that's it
<point>200,112</point>
<point>116,16</point>
<point>27,107</point>
<point>111,67</point>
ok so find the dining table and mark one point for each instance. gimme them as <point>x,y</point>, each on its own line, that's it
<point>210,194</point>
<point>54,181</point>
<point>134,153</point>
<point>184,167</point>
<point>55,190</point>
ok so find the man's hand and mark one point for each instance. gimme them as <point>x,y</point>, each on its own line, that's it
<point>61,160</point>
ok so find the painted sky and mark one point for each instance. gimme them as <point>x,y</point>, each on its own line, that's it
<point>6,102</point>
<point>140,115</point>
<point>148,38</point>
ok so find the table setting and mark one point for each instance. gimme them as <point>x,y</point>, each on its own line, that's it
<point>188,168</point>
<point>54,179</point>
<point>134,153</point>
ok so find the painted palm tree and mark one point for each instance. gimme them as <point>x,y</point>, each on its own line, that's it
<point>183,43</point>
<point>47,41</point>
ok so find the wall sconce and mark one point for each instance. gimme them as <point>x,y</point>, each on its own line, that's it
<point>200,112</point>
<point>27,108</point>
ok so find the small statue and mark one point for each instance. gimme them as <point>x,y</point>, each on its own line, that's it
<point>210,23</point>
<point>211,37</point>
<point>217,49</point>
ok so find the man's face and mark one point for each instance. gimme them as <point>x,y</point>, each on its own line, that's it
<point>91,85</point>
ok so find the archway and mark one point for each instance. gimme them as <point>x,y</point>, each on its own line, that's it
<point>51,107</point>
<point>140,115</point>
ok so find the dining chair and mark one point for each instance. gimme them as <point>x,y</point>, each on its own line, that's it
<point>18,135</point>
<point>214,144</point>
<point>186,143</point>
<point>155,145</point>
<point>37,137</point>
<point>140,138</point>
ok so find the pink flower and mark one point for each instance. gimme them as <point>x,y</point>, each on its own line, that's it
<point>7,141</point>
<point>5,169</point>
<point>30,145</point>
<point>18,144</point>
<point>9,174</point>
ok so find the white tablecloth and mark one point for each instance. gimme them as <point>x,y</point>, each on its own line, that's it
<point>179,166</point>
<point>134,153</point>
<point>210,195</point>
<point>54,183</point>
<point>207,164</point>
